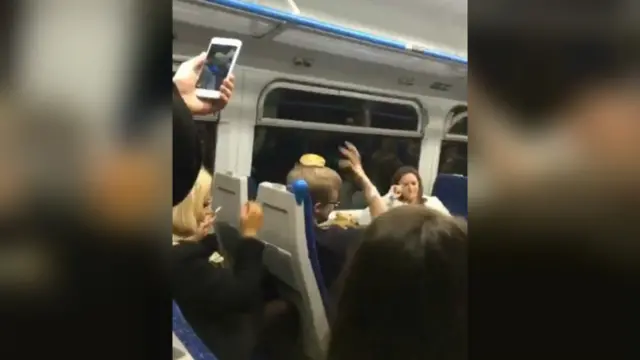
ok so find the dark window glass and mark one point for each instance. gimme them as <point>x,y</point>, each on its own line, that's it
<point>338,110</point>
<point>276,150</point>
<point>459,128</point>
<point>453,158</point>
<point>207,132</point>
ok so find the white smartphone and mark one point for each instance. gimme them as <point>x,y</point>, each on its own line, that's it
<point>221,58</point>
<point>217,210</point>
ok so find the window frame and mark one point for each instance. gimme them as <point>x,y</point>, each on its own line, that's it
<point>299,124</point>
<point>448,137</point>
<point>456,137</point>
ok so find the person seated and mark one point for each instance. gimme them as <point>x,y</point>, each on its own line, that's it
<point>216,299</point>
<point>333,241</point>
<point>407,188</point>
<point>404,292</point>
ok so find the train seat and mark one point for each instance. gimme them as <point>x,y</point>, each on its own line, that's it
<point>230,193</point>
<point>186,344</point>
<point>287,258</point>
<point>452,191</point>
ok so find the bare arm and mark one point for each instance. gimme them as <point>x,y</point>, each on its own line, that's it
<point>377,204</point>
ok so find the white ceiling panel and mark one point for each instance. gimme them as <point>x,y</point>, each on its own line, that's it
<point>211,17</point>
<point>336,46</point>
<point>437,24</point>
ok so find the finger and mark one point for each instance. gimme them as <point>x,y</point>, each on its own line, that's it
<point>229,83</point>
<point>226,92</point>
<point>224,98</point>
<point>352,148</point>
<point>348,154</point>
<point>344,151</point>
<point>198,61</point>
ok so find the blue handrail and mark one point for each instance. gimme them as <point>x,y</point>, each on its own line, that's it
<point>336,30</point>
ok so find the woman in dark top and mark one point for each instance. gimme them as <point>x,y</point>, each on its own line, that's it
<point>405,290</point>
<point>218,301</point>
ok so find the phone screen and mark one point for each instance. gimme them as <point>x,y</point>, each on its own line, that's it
<point>216,67</point>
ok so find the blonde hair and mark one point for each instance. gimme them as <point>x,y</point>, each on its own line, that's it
<point>322,181</point>
<point>187,215</point>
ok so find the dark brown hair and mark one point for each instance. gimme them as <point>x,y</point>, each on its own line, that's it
<point>404,294</point>
<point>404,170</point>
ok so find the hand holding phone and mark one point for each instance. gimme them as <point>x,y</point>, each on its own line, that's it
<point>186,79</point>
<point>221,58</point>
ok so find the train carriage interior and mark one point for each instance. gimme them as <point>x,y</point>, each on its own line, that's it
<point>312,75</point>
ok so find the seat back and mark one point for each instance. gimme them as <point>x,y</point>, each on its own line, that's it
<point>229,193</point>
<point>287,258</point>
<point>300,190</point>
<point>452,190</point>
<point>186,344</point>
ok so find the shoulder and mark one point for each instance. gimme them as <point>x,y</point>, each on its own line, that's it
<point>337,236</point>
<point>434,203</point>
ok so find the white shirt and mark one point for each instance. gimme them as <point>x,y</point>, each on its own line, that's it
<point>432,202</point>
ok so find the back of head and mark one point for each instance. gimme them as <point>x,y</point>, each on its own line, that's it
<point>187,215</point>
<point>567,249</point>
<point>405,290</point>
<point>324,183</point>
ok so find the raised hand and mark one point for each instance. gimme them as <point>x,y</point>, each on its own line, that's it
<point>185,80</point>
<point>352,155</point>
<point>251,219</point>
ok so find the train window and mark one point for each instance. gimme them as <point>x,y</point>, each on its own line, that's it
<point>459,128</point>
<point>453,157</point>
<point>208,133</point>
<point>381,156</point>
<point>342,108</point>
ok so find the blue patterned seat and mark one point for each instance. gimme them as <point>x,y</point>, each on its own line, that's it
<point>452,191</point>
<point>183,331</point>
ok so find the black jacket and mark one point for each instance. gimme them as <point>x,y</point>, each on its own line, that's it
<point>335,244</point>
<point>220,303</point>
<point>187,155</point>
